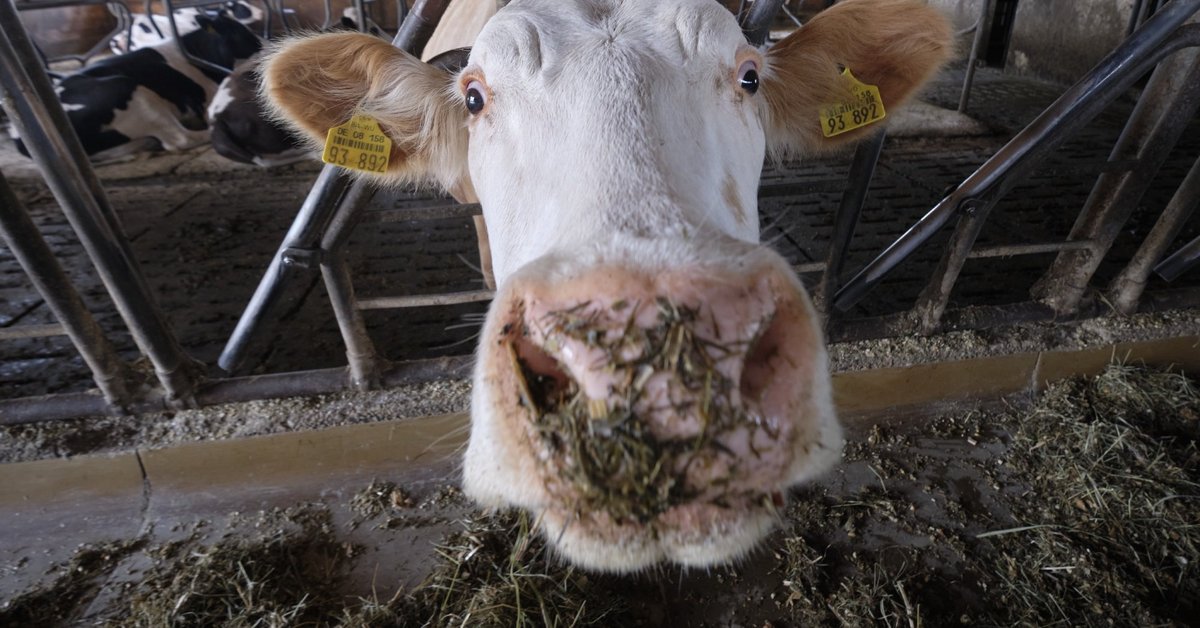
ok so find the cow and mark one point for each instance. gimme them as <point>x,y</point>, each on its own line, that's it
<point>241,130</point>
<point>148,30</point>
<point>153,97</point>
<point>650,379</point>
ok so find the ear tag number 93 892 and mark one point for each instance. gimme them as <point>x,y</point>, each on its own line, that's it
<point>358,145</point>
<point>862,107</point>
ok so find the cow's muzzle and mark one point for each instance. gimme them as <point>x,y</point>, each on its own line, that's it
<point>663,413</point>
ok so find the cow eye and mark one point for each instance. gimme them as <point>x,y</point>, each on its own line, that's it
<point>475,97</point>
<point>748,77</point>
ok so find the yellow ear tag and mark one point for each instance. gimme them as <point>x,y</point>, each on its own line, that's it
<point>864,107</point>
<point>358,145</point>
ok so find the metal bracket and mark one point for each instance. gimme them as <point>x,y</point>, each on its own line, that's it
<point>305,259</point>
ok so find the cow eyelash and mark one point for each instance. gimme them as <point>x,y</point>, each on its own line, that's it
<point>748,76</point>
<point>475,94</point>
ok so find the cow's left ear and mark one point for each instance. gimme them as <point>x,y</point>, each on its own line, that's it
<point>313,84</point>
<point>896,45</point>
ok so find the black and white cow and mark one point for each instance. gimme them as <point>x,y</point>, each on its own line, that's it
<point>148,30</point>
<point>241,131</point>
<point>153,97</point>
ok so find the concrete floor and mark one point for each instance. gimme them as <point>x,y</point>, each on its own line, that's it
<point>204,230</point>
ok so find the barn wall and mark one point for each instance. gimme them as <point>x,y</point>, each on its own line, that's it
<point>68,30</point>
<point>1051,39</point>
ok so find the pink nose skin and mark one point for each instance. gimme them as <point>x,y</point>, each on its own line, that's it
<point>658,411</point>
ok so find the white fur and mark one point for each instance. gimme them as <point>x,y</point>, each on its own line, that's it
<point>222,98</point>
<point>618,142</point>
<point>672,151</point>
<point>149,115</point>
<point>616,139</point>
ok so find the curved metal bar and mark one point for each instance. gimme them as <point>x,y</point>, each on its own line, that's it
<point>977,44</point>
<point>169,7</point>
<point>1161,36</point>
<point>757,23</point>
<point>1180,261</point>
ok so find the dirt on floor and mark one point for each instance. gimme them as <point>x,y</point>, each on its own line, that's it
<point>112,434</point>
<point>1080,508</point>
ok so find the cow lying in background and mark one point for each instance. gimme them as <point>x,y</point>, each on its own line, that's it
<point>241,130</point>
<point>650,379</point>
<point>152,98</point>
<point>148,30</point>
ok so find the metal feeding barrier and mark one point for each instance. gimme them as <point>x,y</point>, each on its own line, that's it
<point>319,233</point>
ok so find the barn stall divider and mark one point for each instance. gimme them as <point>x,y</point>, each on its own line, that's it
<point>335,204</point>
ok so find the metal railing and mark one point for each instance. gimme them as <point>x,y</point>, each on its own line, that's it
<point>317,237</point>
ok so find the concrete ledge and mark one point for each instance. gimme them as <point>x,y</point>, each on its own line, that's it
<point>284,462</point>
<point>49,507</point>
<point>878,392</point>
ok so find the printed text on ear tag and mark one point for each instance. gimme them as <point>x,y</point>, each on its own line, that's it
<point>863,107</point>
<point>358,145</point>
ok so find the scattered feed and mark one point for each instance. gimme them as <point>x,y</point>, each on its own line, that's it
<point>1087,513</point>
<point>73,584</point>
<point>600,455</point>
<point>1083,509</point>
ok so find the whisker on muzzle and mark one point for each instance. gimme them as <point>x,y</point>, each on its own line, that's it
<point>456,343</point>
<point>466,262</point>
<point>454,433</point>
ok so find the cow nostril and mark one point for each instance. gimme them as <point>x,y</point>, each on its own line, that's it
<point>758,370</point>
<point>545,382</point>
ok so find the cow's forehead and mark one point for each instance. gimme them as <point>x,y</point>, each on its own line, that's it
<point>538,36</point>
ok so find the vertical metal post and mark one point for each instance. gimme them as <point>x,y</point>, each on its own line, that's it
<point>985,15</point>
<point>35,257</point>
<point>862,170</point>
<point>360,351</point>
<point>931,304</point>
<point>1164,110</point>
<point>1135,16</point>
<point>361,9</point>
<point>1126,289</point>
<point>418,26</point>
<point>278,286</point>
<point>46,131</point>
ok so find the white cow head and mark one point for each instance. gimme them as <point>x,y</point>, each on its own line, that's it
<point>650,379</point>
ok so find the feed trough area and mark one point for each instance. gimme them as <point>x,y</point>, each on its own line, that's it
<point>1078,505</point>
<point>261,419</point>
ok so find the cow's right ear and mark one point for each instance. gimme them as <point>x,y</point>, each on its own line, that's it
<point>895,45</point>
<point>313,84</point>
